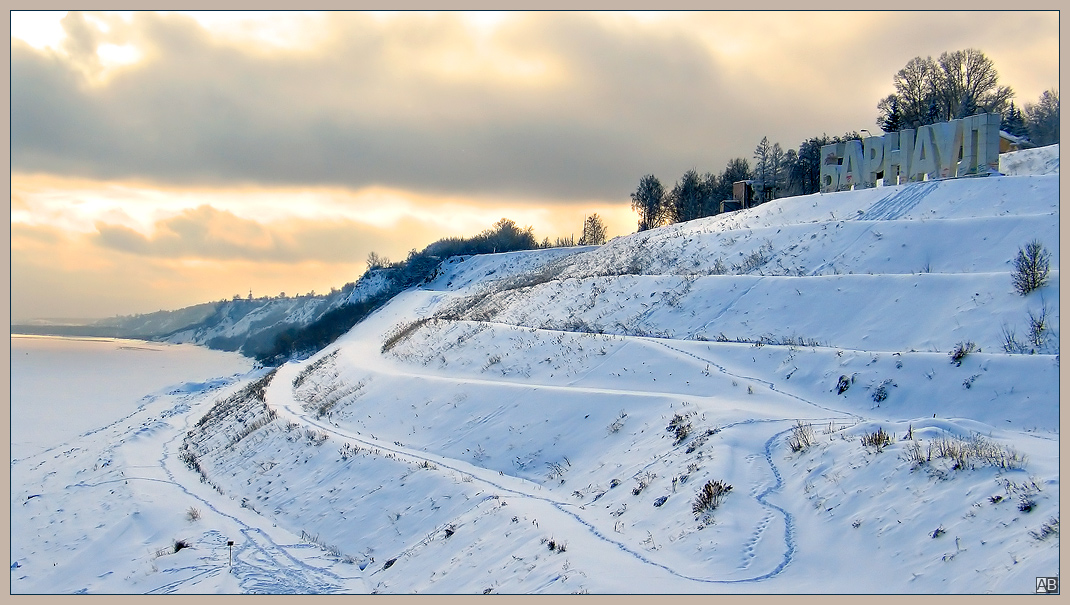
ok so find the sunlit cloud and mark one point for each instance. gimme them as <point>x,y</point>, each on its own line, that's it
<point>171,154</point>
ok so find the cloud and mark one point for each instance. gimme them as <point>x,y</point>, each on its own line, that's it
<point>547,106</point>
<point>208,233</point>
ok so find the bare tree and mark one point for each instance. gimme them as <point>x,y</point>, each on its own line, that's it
<point>377,262</point>
<point>648,202</point>
<point>959,84</point>
<point>968,84</point>
<point>594,231</point>
<point>1042,118</point>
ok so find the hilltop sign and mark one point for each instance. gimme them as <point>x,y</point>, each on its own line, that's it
<point>966,147</point>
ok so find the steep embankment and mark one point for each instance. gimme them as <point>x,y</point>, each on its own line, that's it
<point>447,441</point>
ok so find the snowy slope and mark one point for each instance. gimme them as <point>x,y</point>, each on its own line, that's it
<point>544,422</point>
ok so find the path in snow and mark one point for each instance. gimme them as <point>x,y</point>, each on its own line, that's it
<point>280,398</point>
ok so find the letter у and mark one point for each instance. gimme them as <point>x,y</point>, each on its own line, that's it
<point>923,160</point>
<point>948,137</point>
<point>830,167</point>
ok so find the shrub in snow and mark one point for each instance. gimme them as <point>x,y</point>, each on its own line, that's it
<point>969,453</point>
<point>680,428</point>
<point>1030,267</point>
<point>642,482</point>
<point>193,514</point>
<point>1038,326</point>
<point>1010,341</point>
<point>1048,529</point>
<point>877,439</point>
<point>961,350</point>
<point>802,436</point>
<point>710,496</point>
<point>881,392</point>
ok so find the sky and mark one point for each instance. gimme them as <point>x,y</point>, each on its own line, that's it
<point>160,160</point>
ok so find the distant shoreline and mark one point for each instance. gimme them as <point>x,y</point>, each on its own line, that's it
<point>74,331</point>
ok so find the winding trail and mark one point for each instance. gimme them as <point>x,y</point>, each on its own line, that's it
<point>280,397</point>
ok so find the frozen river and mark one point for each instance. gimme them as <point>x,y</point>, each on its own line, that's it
<point>63,387</point>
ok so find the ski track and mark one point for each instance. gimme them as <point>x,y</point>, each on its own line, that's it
<point>898,203</point>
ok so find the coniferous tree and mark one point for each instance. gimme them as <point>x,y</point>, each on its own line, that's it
<point>776,166</point>
<point>761,165</point>
<point>1013,122</point>
<point>891,114</point>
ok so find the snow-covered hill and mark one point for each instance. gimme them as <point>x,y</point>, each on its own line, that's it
<point>548,422</point>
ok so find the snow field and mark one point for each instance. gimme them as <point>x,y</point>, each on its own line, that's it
<point>586,396</point>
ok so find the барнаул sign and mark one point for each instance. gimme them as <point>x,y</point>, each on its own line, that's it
<point>969,146</point>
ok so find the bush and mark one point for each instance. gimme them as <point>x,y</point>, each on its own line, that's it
<point>877,439</point>
<point>710,496</point>
<point>1038,325</point>
<point>960,352</point>
<point>193,514</point>
<point>1030,268</point>
<point>881,392</point>
<point>968,454</point>
<point>802,436</point>
<point>1051,528</point>
<point>680,428</point>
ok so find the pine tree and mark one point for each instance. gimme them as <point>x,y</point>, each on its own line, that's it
<point>761,165</point>
<point>891,118</point>
<point>1013,123</point>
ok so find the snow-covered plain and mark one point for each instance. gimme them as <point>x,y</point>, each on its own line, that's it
<point>543,422</point>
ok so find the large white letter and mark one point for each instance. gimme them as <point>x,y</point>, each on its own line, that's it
<point>852,170</point>
<point>898,147</point>
<point>873,156</point>
<point>830,167</point>
<point>948,139</point>
<point>991,136</point>
<point>968,165</point>
<point>923,160</point>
